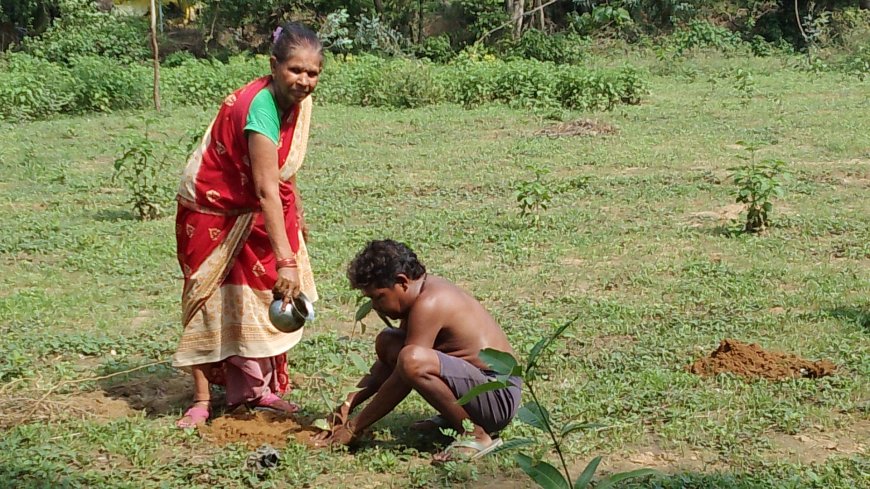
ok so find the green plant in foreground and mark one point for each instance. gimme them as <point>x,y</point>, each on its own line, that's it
<point>142,168</point>
<point>758,183</point>
<point>534,195</point>
<point>535,415</point>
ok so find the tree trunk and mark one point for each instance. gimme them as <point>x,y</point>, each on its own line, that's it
<point>864,4</point>
<point>156,58</point>
<point>379,7</point>
<point>420,13</point>
<point>517,10</point>
<point>539,15</point>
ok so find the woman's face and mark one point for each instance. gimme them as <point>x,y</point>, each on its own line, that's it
<point>295,78</point>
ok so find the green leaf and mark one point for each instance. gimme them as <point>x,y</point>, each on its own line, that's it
<point>514,443</point>
<point>577,426</point>
<point>612,479</point>
<point>536,350</point>
<point>364,309</point>
<point>480,389</point>
<point>558,332</point>
<point>534,415</point>
<point>586,477</point>
<point>358,362</point>
<point>547,476</point>
<point>321,424</point>
<point>502,362</point>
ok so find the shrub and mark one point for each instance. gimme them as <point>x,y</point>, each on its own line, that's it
<point>701,34</point>
<point>204,82</point>
<point>31,88</point>
<point>371,81</point>
<point>104,85</point>
<point>436,48</point>
<point>82,30</point>
<point>37,88</point>
<point>562,48</point>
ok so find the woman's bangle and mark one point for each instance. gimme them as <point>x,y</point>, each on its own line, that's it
<point>285,263</point>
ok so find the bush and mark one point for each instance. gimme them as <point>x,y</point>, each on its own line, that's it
<point>205,83</point>
<point>436,48</point>
<point>562,48</point>
<point>701,34</point>
<point>371,81</point>
<point>82,30</point>
<point>32,88</point>
<point>104,85</point>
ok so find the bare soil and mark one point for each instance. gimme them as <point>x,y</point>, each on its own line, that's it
<point>255,428</point>
<point>580,127</point>
<point>753,362</point>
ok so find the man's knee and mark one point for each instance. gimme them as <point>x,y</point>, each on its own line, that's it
<point>415,361</point>
<point>388,343</point>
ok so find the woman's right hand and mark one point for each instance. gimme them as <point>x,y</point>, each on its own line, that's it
<point>287,285</point>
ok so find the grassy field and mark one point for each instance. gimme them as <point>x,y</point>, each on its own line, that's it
<point>641,241</point>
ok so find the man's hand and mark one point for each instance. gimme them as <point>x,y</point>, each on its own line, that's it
<point>341,434</point>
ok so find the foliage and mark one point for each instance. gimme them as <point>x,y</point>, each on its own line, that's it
<point>82,30</point>
<point>33,88</point>
<point>374,36</point>
<point>534,195</point>
<point>534,414</point>
<point>758,183</point>
<point>334,33</point>
<point>701,34</point>
<point>602,18</point>
<point>143,168</point>
<point>744,84</point>
<point>28,14</point>
<point>104,85</point>
<point>435,48</point>
<point>208,82</point>
<point>562,48</point>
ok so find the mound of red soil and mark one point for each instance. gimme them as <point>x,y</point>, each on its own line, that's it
<point>751,361</point>
<point>255,429</point>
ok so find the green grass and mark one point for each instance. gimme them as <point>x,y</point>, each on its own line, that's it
<point>85,290</point>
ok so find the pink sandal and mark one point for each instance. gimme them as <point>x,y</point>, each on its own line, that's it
<point>193,417</point>
<point>272,402</point>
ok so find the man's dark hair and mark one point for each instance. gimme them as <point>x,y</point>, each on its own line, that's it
<point>291,36</point>
<point>380,262</point>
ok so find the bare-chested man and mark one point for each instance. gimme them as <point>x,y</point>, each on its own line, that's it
<point>434,351</point>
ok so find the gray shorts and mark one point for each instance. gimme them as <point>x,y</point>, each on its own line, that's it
<point>491,410</point>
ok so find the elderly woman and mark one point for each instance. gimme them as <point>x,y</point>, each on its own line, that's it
<point>241,234</point>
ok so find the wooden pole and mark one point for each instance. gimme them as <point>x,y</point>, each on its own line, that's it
<point>156,57</point>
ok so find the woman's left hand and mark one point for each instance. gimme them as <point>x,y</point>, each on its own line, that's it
<point>287,285</point>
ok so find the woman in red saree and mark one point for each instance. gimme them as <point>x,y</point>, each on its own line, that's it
<point>241,236</point>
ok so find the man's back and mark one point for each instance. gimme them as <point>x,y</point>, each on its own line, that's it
<point>464,326</point>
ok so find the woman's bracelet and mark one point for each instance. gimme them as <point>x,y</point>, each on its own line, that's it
<point>285,263</point>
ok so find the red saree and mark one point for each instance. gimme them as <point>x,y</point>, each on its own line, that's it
<point>223,249</point>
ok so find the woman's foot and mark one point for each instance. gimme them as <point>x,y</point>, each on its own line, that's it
<point>197,415</point>
<point>272,402</point>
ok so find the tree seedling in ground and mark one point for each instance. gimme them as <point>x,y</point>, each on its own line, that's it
<point>758,183</point>
<point>534,414</point>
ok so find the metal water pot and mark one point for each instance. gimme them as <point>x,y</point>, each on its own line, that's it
<point>292,317</point>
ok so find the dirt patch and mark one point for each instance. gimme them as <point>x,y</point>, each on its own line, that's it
<point>156,394</point>
<point>256,428</point>
<point>751,361</point>
<point>581,127</point>
<point>816,446</point>
<point>726,213</point>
